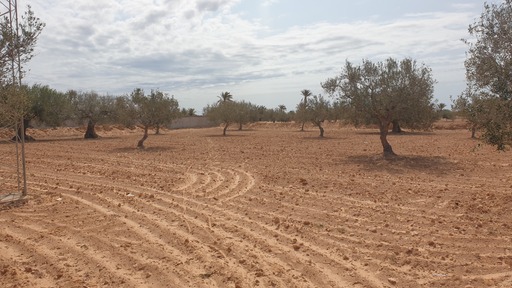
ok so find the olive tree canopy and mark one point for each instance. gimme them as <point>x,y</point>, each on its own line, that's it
<point>386,91</point>
<point>223,112</point>
<point>91,107</point>
<point>489,72</point>
<point>17,45</point>
<point>153,110</point>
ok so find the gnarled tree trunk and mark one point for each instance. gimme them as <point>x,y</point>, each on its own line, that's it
<point>225,128</point>
<point>319,124</point>
<point>383,129</point>
<point>90,132</point>
<point>21,133</point>
<point>396,127</point>
<point>157,132</point>
<point>140,144</point>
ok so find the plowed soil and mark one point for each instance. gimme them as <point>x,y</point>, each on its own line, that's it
<point>266,207</point>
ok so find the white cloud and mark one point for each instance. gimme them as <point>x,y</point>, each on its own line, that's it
<point>267,3</point>
<point>195,48</point>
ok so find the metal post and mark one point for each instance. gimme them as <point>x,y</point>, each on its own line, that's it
<point>9,9</point>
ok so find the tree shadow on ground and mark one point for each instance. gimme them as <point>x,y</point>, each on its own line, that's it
<point>6,205</point>
<point>325,138</point>
<point>403,133</point>
<point>150,149</point>
<point>402,164</point>
<point>62,139</point>
<point>244,130</point>
<point>81,138</point>
<point>224,136</point>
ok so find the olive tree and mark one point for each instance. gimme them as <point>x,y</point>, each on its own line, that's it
<point>222,112</point>
<point>470,107</point>
<point>125,112</point>
<point>243,113</point>
<point>153,110</point>
<point>489,72</point>
<point>93,108</point>
<point>385,91</point>
<point>40,102</point>
<point>318,109</point>
<point>14,105</point>
<point>17,45</point>
<point>281,114</point>
<point>50,106</point>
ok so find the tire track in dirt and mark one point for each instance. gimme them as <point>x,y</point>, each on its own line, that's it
<point>365,202</point>
<point>204,224</point>
<point>274,244</point>
<point>377,245</point>
<point>138,228</point>
<point>248,187</point>
<point>188,238</point>
<point>267,246</point>
<point>65,251</point>
<point>197,185</point>
<point>152,219</point>
<point>251,233</point>
<point>319,254</point>
<point>112,216</point>
<point>152,239</point>
<point>19,262</point>
<point>196,180</point>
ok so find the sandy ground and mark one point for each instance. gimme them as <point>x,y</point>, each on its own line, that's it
<point>265,207</point>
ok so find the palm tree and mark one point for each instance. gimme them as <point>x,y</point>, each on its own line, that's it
<point>282,108</point>
<point>225,97</point>
<point>306,93</point>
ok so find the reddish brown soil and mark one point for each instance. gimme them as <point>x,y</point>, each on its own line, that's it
<point>267,207</point>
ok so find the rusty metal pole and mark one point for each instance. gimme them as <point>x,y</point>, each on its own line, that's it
<point>9,9</point>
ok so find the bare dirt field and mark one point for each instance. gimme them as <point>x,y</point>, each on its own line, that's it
<point>266,207</point>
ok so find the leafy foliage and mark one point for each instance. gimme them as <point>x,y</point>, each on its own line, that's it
<point>125,111</point>
<point>245,113</point>
<point>489,74</point>
<point>224,112</point>
<point>17,44</point>
<point>14,104</point>
<point>153,110</point>
<point>384,92</point>
<point>317,111</point>
<point>50,106</point>
<point>91,106</point>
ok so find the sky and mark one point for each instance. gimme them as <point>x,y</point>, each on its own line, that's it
<point>264,52</point>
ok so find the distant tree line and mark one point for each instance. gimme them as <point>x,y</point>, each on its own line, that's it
<point>228,112</point>
<point>46,106</point>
